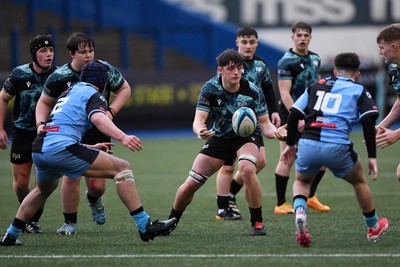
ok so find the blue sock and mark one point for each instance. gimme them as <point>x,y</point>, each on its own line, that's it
<point>141,219</point>
<point>13,231</point>
<point>300,202</point>
<point>371,221</point>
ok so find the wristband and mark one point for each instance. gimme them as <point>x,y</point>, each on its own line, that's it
<point>111,111</point>
<point>40,123</point>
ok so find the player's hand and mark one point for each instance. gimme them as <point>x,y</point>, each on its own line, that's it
<point>276,119</point>
<point>132,142</point>
<point>204,133</point>
<point>288,155</point>
<point>373,168</point>
<point>281,133</point>
<point>3,139</point>
<point>386,137</point>
<point>106,147</point>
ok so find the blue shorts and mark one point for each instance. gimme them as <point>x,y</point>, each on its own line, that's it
<point>72,162</point>
<point>312,155</point>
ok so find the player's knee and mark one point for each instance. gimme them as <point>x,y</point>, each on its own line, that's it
<point>124,176</point>
<point>227,170</point>
<point>247,165</point>
<point>121,165</point>
<point>261,163</point>
<point>96,186</point>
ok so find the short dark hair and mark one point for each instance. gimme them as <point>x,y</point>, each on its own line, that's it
<point>347,61</point>
<point>389,33</point>
<point>78,38</point>
<point>246,31</point>
<point>228,56</point>
<point>301,25</point>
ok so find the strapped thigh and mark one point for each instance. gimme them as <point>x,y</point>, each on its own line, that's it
<point>197,177</point>
<point>248,157</point>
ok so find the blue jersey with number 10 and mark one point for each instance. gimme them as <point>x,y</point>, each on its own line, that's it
<point>331,107</point>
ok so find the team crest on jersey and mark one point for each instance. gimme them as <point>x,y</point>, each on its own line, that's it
<point>68,84</point>
<point>28,84</point>
<point>219,101</point>
<point>315,63</point>
<point>259,69</point>
<point>242,104</point>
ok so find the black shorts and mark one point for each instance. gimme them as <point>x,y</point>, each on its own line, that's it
<point>259,139</point>
<point>21,146</point>
<point>94,136</point>
<point>225,149</point>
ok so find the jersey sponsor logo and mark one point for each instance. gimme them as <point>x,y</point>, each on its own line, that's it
<point>316,124</point>
<point>51,128</point>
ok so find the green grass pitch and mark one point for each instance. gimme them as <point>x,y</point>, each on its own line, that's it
<point>338,237</point>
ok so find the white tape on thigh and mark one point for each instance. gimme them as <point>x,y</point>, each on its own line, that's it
<point>248,157</point>
<point>124,176</point>
<point>197,177</point>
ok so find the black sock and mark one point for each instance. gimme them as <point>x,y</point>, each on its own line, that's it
<point>315,182</point>
<point>280,185</point>
<point>176,214</point>
<point>235,187</point>
<point>70,217</point>
<point>223,202</point>
<point>92,199</point>
<point>136,211</point>
<point>37,216</point>
<point>255,215</point>
<point>17,223</point>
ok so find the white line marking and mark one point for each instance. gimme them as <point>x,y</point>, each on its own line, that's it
<point>200,256</point>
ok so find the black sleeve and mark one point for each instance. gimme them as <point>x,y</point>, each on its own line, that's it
<point>270,97</point>
<point>292,123</point>
<point>368,124</point>
<point>96,103</point>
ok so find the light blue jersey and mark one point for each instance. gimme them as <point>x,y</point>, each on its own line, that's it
<point>331,107</point>
<point>58,150</point>
<point>70,118</point>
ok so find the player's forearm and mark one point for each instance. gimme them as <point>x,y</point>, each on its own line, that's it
<point>106,126</point>
<point>121,98</point>
<point>43,108</point>
<point>270,98</point>
<point>393,115</point>
<point>3,112</point>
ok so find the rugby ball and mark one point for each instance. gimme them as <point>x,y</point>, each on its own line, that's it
<point>244,121</point>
